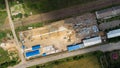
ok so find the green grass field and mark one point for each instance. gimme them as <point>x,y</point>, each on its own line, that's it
<point>88,60</point>
<point>5,60</point>
<point>3,15</point>
<point>2,35</point>
<point>23,28</point>
<point>4,57</point>
<point>41,6</point>
<point>82,63</point>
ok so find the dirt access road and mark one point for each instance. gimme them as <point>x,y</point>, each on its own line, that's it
<point>66,12</point>
<point>13,31</point>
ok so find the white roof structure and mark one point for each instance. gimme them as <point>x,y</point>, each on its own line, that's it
<point>113,33</point>
<point>92,41</point>
<point>48,48</point>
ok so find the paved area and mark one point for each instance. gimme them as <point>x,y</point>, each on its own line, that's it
<point>105,47</point>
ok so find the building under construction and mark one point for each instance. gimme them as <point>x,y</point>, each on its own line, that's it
<point>59,35</point>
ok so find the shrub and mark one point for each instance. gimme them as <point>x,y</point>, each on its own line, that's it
<point>78,57</point>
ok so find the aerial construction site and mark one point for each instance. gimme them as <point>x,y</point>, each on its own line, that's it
<point>57,36</point>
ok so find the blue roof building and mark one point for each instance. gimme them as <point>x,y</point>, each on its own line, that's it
<point>36,47</point>
<point>23,46</point>
<point>32,53</point>
<point>44,54</point>
<point>75,47</point>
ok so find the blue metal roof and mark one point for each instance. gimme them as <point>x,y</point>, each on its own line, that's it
<point>36,47</point>
<point>23,46</point>
<point>44,54</point>
<point>32,53</point>
<point>75,47</point>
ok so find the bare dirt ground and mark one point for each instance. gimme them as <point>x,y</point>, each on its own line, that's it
<point>55,34</point>
<point>60,34</point>
<point>66,12</point>
<point>9,45</point>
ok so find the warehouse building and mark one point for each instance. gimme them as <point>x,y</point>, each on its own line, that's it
<point>32,54</point>
<point>74,47</point>
<point>113,33</point>
<point>36,47</point>
<point>92,41</point>
<point>108,13</point>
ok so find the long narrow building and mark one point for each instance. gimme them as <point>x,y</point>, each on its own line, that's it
<point>92,41</point>
<point>113,33</point>
<point>108,13</point>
